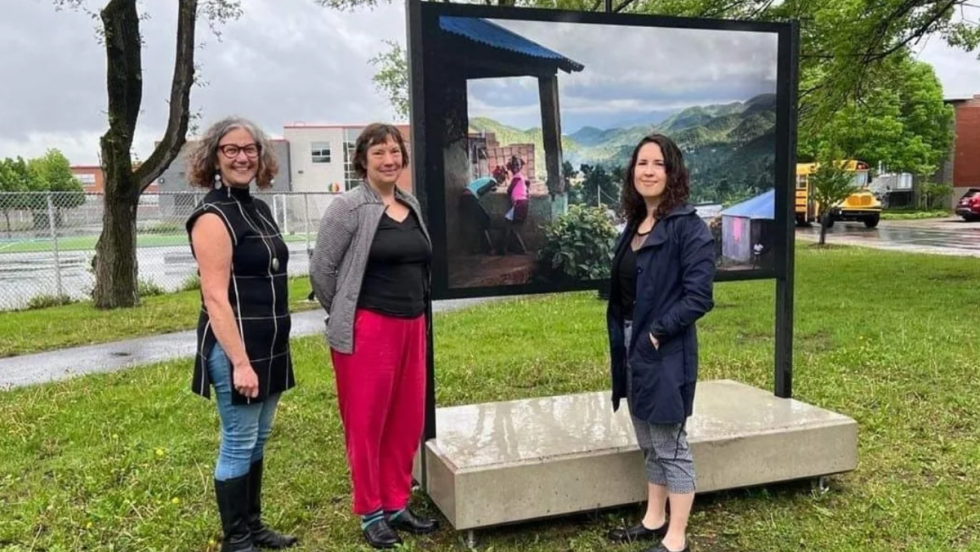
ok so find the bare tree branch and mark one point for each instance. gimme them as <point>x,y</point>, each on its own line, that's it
<point>917,34</point>
<point>180,91</point>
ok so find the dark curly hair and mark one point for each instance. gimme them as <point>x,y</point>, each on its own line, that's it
<point>678,187</point>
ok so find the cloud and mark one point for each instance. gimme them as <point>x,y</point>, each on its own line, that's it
<point>633,70</point>
<point>282,62</point>
<point>291,61</point>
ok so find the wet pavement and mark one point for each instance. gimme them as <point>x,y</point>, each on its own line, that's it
<point>25,275</point>
<point>63,364</point>
<point>947,236</point>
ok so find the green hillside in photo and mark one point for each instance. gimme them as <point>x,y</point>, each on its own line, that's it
<point>729,148</point>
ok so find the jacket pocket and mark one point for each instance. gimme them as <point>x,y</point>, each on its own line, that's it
<point>646,350</point>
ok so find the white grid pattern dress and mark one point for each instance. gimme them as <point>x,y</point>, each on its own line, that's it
<point>257,290</point>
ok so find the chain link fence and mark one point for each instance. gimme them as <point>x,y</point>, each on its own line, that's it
<point>47,241</point>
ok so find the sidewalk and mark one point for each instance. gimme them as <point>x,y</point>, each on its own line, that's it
<point>61,364</point>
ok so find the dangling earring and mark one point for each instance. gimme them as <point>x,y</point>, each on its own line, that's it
<point>217,181</point>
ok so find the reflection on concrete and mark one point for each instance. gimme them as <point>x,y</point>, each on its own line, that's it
<point>531,429</point>
<point>512,461</point>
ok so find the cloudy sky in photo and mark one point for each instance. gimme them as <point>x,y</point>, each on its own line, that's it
<point>290,61</point>
<point>631,72</point>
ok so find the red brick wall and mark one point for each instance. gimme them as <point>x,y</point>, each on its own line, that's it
<point>966,164</point>
<point>89,171</point>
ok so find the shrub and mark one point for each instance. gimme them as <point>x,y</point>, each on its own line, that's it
<point>148,288</point>
<point>579,245</point>
<point>191,283</point>
<point>44,301</point>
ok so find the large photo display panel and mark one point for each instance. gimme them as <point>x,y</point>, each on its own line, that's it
<point>531,117</point>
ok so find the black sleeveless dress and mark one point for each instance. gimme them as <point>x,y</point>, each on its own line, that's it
<point>257,290</point>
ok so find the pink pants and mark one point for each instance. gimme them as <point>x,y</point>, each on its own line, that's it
<point>381,394</point>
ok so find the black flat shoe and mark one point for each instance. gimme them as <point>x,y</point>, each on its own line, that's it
<point>637,533</point>
<point>380,535</point>
<point>408,521</point>
<point>661,548</point>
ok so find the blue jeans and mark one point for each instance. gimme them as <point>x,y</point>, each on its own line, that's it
<point>244,428</point>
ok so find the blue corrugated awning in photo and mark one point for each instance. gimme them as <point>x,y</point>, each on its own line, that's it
<point>762,206</point>
<point>493,35</point>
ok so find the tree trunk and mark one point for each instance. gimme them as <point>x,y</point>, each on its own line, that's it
<point>116,270</point>
<point>824,220</point>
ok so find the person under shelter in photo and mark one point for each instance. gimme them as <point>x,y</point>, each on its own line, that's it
<point>370,271</point>
<point>661,284</point>
<point>244,326</point>
<point>517,193</point>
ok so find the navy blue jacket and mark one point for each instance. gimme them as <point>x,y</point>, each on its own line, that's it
<point>675,271</point>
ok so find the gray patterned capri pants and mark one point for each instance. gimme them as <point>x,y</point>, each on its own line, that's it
<point>667,456</point>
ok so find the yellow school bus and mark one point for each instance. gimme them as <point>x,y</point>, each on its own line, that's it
<point>861,206</point>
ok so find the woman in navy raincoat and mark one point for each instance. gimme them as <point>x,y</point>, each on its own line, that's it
<point>661,284</point>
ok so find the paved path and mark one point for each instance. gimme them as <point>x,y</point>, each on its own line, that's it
<point>947,236</point>
<point>62,364</point>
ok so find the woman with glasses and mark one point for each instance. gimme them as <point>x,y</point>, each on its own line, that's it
<point>243,329</point>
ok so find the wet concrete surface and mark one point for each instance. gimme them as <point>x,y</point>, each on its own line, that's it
<point>947,236</point>
<point>63,364</point>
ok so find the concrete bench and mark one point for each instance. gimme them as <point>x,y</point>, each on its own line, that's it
<point>506,462</point>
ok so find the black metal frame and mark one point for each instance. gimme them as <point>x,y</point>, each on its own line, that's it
<point>427,156</point>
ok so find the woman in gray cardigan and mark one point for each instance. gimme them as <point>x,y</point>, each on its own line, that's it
<point>370,271</point>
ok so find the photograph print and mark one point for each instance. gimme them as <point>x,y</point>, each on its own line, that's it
<point>539,122</point>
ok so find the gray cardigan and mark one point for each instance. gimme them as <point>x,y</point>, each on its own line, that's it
<point>341,254</point>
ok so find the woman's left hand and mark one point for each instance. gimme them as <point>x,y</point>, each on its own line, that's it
<point>656,344</point>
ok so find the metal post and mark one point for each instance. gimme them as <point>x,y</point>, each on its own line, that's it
<point>783,376</point>
<point>306,217</point>
<point>609,7</point>
<point>430,384</point>
<point>54,238</point>
<point>285,214</point>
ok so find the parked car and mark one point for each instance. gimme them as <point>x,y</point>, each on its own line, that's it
<point>969,205</point>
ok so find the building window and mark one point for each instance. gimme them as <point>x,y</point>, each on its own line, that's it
<point>351,179</point>
<point>320,152</point>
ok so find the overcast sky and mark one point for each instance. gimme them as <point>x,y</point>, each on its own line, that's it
<point>630,72</point>
<point>284,61</point>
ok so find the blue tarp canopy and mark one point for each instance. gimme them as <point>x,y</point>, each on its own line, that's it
<point>762,206</point>
<point>490,34</point>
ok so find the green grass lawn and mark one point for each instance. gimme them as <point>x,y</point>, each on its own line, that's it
<point>914,214</point>
<point>32,331</point>
<point>124,461</point>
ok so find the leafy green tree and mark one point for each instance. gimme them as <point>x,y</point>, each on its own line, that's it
<point>832,183</point>
<point>902,122</point>
<point>392,78</point>
<point>15,179</point>
<point>597,184</point>
<point>53,180</point>
<point>845,50</point>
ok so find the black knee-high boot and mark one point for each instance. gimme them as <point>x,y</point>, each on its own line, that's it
<point>262,535</point>
<point>232,498</point>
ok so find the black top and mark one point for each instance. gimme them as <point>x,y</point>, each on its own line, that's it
<point>626,272</point>
<point>394,279</point>
<point>258,291</point>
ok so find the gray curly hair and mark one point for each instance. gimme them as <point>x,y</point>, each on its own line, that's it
<point>202,163</point>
